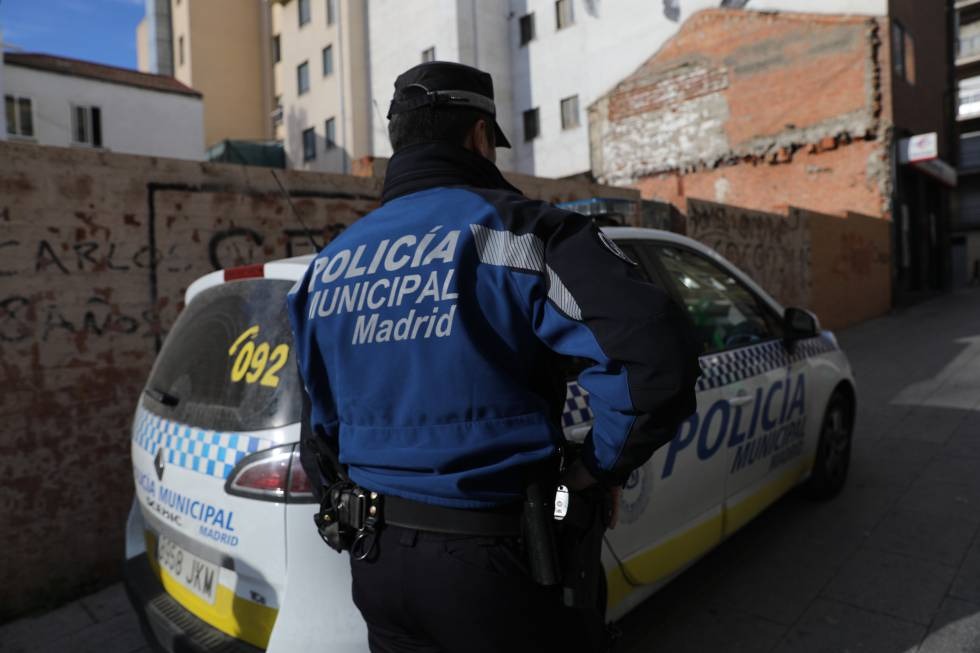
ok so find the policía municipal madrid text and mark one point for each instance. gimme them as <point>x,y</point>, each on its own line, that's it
<point>417,303</point>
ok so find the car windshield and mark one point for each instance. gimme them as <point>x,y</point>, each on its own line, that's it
<point>228,363</point>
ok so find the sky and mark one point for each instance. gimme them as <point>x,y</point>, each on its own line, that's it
<point>95,30</point>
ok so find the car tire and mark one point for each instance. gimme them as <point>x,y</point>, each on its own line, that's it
<point>833,450</point>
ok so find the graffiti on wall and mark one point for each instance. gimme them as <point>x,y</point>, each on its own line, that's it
<point>772,249</point>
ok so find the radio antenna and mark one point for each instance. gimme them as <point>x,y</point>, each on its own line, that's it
<point>285,193</point>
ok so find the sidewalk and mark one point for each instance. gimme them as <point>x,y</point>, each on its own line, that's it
<point>891,566</point>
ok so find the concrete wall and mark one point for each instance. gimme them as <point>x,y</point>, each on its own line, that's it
<point>134,120</point>
<point>839,267</point>
<point>96,252</point>
<point>773,249</point>
<point>850,267</point>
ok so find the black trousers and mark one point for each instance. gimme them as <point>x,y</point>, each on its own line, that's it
<point>432,592</point>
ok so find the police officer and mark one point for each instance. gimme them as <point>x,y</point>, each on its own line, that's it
<point>428,336</point>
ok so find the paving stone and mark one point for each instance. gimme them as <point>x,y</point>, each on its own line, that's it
<point>891,461</point>
<point>940,497</point>
<point>120,634</point>
<point>707,629</point>
<point>966,585</point>
<point>953,470</point>
<point>32,633</point>
<point>892,584</point>
<point>965,441</point>
<point>955,630</point>
<point>108,603</point>
<point>927,424</point>
<point>925,535</point>
<point>834,627</point>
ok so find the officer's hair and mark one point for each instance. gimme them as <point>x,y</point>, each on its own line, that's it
<point>434,124</point>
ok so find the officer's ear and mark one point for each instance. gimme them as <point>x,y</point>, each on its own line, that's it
<point>480,139</point>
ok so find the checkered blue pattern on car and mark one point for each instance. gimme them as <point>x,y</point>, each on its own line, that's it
<point>717,370</point>
<point>214,453</point>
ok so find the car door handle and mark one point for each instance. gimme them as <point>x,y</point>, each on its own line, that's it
<point>740,399</point>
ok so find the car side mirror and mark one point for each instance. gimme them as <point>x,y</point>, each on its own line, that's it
<point>799,323</point>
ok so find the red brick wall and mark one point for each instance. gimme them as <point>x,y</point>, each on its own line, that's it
<point>761,110</point>
<point>831,181</point>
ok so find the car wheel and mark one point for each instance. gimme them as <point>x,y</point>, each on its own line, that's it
<point>833,450</point>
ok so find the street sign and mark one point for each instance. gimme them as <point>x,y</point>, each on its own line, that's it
<point>922,153</point>
<point>923,147</point>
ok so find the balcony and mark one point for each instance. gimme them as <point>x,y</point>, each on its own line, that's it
<point>969,49</point>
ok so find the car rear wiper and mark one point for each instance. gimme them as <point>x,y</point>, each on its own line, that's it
<point>163,397</point>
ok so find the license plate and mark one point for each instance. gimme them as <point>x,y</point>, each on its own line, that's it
<point>197,575</point>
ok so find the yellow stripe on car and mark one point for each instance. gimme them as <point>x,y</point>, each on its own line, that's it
<point>671,555</point>
<point>230,613</point>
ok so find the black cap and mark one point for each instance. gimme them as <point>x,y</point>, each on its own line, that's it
<point>446,84</point>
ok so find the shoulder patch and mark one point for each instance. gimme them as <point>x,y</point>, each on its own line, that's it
<point>608,243</point>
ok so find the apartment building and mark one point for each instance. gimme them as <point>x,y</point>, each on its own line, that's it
<point>154,39</point>
<point>64,102</point>
<point>319,59</point>
<point>401,34</point>
<point>220,48</point>
<point>966,225</point>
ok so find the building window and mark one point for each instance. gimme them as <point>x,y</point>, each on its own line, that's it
<point>20,115</point>
<point>180,50</point>
<point>86,126</point>
<point>429,54</point>
<point>909,52</point>
<point>527,28</point>
<point>569,112</point>
<point>968,41</point>
<point>303,78</point>
<point>563,14</point>
<point>898,48</point>
<point>277,112</point>
<point>969,98</point>
<point>304,12</point>
<point>330,134</point>
<point>309,144</point>
<point>331,12</point>
<point>327,56</point>
<point>276,51</point>
<point>531,128</point>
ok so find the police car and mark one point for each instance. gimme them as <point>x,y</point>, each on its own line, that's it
<point>220,545</point>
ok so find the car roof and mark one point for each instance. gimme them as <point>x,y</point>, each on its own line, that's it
<point>293,269</point>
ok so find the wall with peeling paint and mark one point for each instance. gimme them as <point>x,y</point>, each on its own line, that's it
<point>763,110</point>
<point>96,251</point>
<point>773,249</point>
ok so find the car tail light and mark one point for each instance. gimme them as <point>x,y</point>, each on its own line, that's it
<point>271,475</point>
<point>245,272</point>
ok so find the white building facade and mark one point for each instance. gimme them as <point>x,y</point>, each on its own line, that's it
<point>70,103</point>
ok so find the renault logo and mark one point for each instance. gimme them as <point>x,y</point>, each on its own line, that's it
<point>158,464</point>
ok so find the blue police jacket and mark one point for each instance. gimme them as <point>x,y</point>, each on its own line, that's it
<point>429,335</point>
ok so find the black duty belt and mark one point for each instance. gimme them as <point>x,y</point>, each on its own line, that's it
<point>494,522</point>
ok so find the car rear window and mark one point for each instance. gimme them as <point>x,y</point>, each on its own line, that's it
<point>228,362</point>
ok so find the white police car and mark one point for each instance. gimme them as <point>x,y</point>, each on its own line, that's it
<point>221,549</point>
